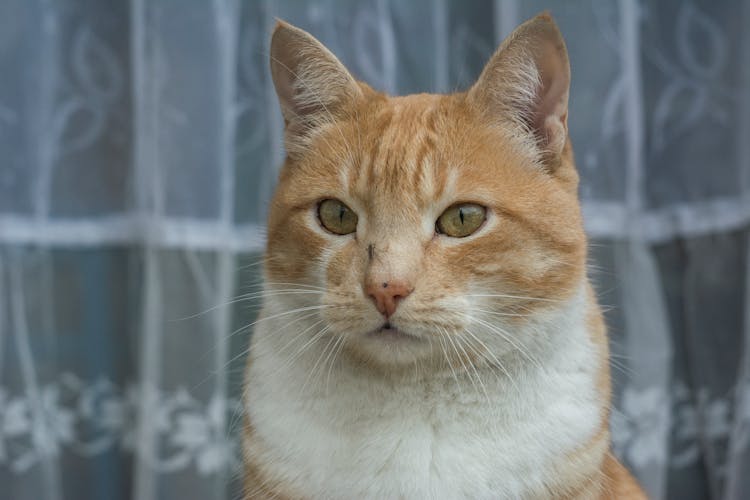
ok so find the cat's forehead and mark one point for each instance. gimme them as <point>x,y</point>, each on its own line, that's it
<point>418,149</point>
<point>406,154</point>
<point>405,150</point>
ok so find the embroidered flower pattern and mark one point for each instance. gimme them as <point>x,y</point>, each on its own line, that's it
<point>90,418</point>
<point>640,429</point>
<point>642,425</point>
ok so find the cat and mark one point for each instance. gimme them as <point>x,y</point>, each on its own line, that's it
<point>428,329</point>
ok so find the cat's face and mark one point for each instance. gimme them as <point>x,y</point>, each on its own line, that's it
<point>426,227</point>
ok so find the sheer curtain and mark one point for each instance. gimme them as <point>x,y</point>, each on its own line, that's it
<point>139,142</point>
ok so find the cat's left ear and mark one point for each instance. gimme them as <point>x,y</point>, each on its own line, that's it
<point>312,85</point>
<point>527,81</point>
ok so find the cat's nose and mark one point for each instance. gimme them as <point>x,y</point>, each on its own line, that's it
<point>387,294</point>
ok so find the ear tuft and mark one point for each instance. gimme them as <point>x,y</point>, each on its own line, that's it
<point>311,83</point>
<point>527,82</point>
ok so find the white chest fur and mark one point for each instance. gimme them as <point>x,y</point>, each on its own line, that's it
<point>349,436</point>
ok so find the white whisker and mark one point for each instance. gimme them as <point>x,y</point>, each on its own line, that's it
<point>507,296</point>
<point>508,338</point>
<point>474,369</point>
<point>497,313</point>
<point>313,370</point>
<point>285,313</point>
<point>320,334</point>
<point>498,363</point>
<point>303,332</point>
<point>247,297</point>
<point>338,348</point>
<point>443,344</point>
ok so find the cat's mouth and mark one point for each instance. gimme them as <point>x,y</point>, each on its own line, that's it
<point>389,332</point>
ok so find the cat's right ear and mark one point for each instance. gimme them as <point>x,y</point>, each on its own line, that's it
<point>311,83</point>
<point>527,81</point>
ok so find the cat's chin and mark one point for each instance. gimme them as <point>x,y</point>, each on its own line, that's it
<point>389,346</point>
<point>388,333</point>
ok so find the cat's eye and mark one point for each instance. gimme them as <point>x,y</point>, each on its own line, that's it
<point>337,217</point>
<point>461,220</point>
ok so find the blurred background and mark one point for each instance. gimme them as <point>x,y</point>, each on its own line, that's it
<point>139,146</point>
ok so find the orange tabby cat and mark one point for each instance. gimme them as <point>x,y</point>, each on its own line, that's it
<point>428,329</point>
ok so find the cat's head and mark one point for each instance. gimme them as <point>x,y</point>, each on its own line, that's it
<point>425,227</point>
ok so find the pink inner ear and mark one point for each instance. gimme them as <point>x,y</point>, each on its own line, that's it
<point>553,133</point>
<point>284,87</point>
<point>312,85</point>
<point>551,113</point>
<point>287,45</point>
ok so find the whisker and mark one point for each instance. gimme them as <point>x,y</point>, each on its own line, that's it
<point>262,260</point>
<point>443,343</point>
<point>338,348</point>
<point>285,313</point>
<point>246,297</point>
<point>507,296</point>
<point>508,338</point>
<point>300,335</point>
<point>244,352</point>
<point>302,285</point>
<point>474,369</point>
<point>319,335</point>
<point>626,370</point>
<point>313,370</point>
<point>460,360</point>
<point>498,363</point>
<point>497,313</point>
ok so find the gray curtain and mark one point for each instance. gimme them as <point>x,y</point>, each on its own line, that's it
<point>139,145</point>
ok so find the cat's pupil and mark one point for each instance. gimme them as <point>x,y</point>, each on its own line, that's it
<point>461,215</point>
<point>341,214</point>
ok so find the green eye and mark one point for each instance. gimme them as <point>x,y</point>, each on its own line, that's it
<point>337,217</point>
<point>461,220</point>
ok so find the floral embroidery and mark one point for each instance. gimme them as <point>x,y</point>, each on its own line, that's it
<point>92,418</point>
<point>640,428</point>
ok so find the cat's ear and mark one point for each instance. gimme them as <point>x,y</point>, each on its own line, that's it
<point>527,80</point>
<point>311,83</point>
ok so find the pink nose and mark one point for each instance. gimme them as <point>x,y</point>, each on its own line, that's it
<point>387,295</point>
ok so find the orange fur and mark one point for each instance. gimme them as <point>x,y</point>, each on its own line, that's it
<point>401,161</point>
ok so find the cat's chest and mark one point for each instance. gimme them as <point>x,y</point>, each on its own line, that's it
<point>454,441</point>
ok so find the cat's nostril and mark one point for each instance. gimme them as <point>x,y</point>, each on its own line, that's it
<point>387,295</point>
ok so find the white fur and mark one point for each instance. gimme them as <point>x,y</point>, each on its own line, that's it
<point>360,436</point>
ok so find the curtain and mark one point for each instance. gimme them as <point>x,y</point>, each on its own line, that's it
<point>139,146</point>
